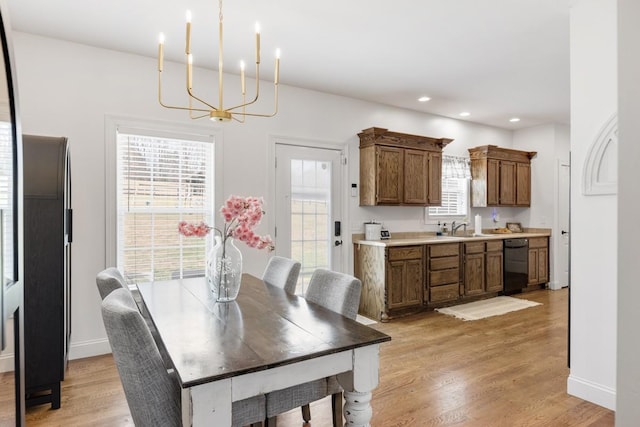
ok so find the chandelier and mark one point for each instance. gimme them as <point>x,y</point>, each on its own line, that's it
<point>203,108</point>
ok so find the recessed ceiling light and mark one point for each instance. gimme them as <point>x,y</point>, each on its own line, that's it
<point>424,99</point>
<point>465,114</point>
<point>514,119</point>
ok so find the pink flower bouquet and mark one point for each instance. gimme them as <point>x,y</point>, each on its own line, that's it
<point>241,216</point>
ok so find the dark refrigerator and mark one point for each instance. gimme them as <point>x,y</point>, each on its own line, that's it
<point>47,266</point>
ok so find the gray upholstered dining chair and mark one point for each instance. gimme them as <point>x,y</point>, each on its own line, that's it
<point>109,280</point>
<point>338,292</point>
<point>153,397</point>
<point>152,393</point>
<point>283,273</point>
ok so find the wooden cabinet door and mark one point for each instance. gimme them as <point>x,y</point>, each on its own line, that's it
<point>507,183</point>
<point>404,283</point>
<point>474,274</point>
<point>414,282</point>
<point>543,265</point>
<point>533,266</point>
<point>416,188</point>
<point>523,184</point>
<point>435,179</point>
<point>390,172</point>
<point>493,182</point>
<point>494,271</point>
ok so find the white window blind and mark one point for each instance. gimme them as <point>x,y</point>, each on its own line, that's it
<point>456,172</point>
<point>454,198</point>
<point>6,200</point>
<point>161,181</point>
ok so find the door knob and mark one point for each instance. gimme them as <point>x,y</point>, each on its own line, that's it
<point>338,242</point>
<point>564,232</point>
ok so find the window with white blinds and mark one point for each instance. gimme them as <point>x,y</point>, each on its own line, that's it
<point>455,199</point>
<point>6,201</point>
<point>160,182</point>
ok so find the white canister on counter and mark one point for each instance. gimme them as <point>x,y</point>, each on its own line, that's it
<point>372,231</point>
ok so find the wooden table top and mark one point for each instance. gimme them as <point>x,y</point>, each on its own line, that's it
<point>264,328</point>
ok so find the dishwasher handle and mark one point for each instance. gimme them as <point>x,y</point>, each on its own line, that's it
<point>516,243</point>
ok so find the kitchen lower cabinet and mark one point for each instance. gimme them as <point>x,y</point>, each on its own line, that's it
<point>392,280</point>
<point>443,273</point>
<point>538,261</point>
<point>405,276</point>
<point>474,272</point>
<point>494,263</point>
<point>482,267</point>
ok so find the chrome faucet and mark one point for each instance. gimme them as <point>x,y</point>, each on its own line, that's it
<point>454,227</point>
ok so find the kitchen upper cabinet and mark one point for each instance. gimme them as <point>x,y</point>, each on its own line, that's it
<point>400,169</point>
<point>500,176</point>
<point>390,181</point>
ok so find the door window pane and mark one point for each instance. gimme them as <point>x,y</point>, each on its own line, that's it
<point>310,218</point>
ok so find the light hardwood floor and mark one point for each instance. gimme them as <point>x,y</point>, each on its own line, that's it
<point>508,370</point>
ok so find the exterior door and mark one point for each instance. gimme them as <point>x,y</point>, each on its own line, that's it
<point>309,208</point>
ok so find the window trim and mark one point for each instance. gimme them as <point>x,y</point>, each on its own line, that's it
<point>115,124</point>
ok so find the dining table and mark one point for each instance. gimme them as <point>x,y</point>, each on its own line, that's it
<point>265,340</point>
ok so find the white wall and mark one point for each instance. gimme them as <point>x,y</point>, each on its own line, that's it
<point>551,142</point>
<point>593,218</point>
<point>68,89</point>
<point>628,370</point>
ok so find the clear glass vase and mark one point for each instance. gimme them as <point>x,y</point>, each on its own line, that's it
<point>224,270</point>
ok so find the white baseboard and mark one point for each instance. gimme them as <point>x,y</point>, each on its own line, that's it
<point>89,348</point>
<point>6,362</point>
<point>78,350</point>
<point>592,392</point>
<point>555,286</point>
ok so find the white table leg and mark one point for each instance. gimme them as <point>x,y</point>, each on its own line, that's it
<point>207,404</point>
<point>357,409</point>
<point>358,384</point>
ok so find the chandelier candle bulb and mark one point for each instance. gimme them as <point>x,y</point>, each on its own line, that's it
<point>276,79</point>
<point>187,49</point>
<point>190,71</point>
<point>257,43</point>
<point>243,86</point>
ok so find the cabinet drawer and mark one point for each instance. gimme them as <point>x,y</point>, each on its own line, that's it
<point>405,252</point>
<point>444,293</point>
<point>474,247</point>
<point>446,249</point>
<point>444,277</point>
<point>444,263</point>
<point>538,242</point>
<point>494,246</point>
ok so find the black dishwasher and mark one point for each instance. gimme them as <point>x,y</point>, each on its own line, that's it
<point>516,265</point>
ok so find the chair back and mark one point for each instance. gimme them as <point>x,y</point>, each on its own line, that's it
<point>338,292</point>
<point>109,280</point>
<point>152,395</point>
<point>283,273</point>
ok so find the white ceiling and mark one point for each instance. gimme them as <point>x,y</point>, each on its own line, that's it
<point>494,58</point>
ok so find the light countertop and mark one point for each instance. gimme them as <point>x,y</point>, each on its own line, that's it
<point>408,239</point>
